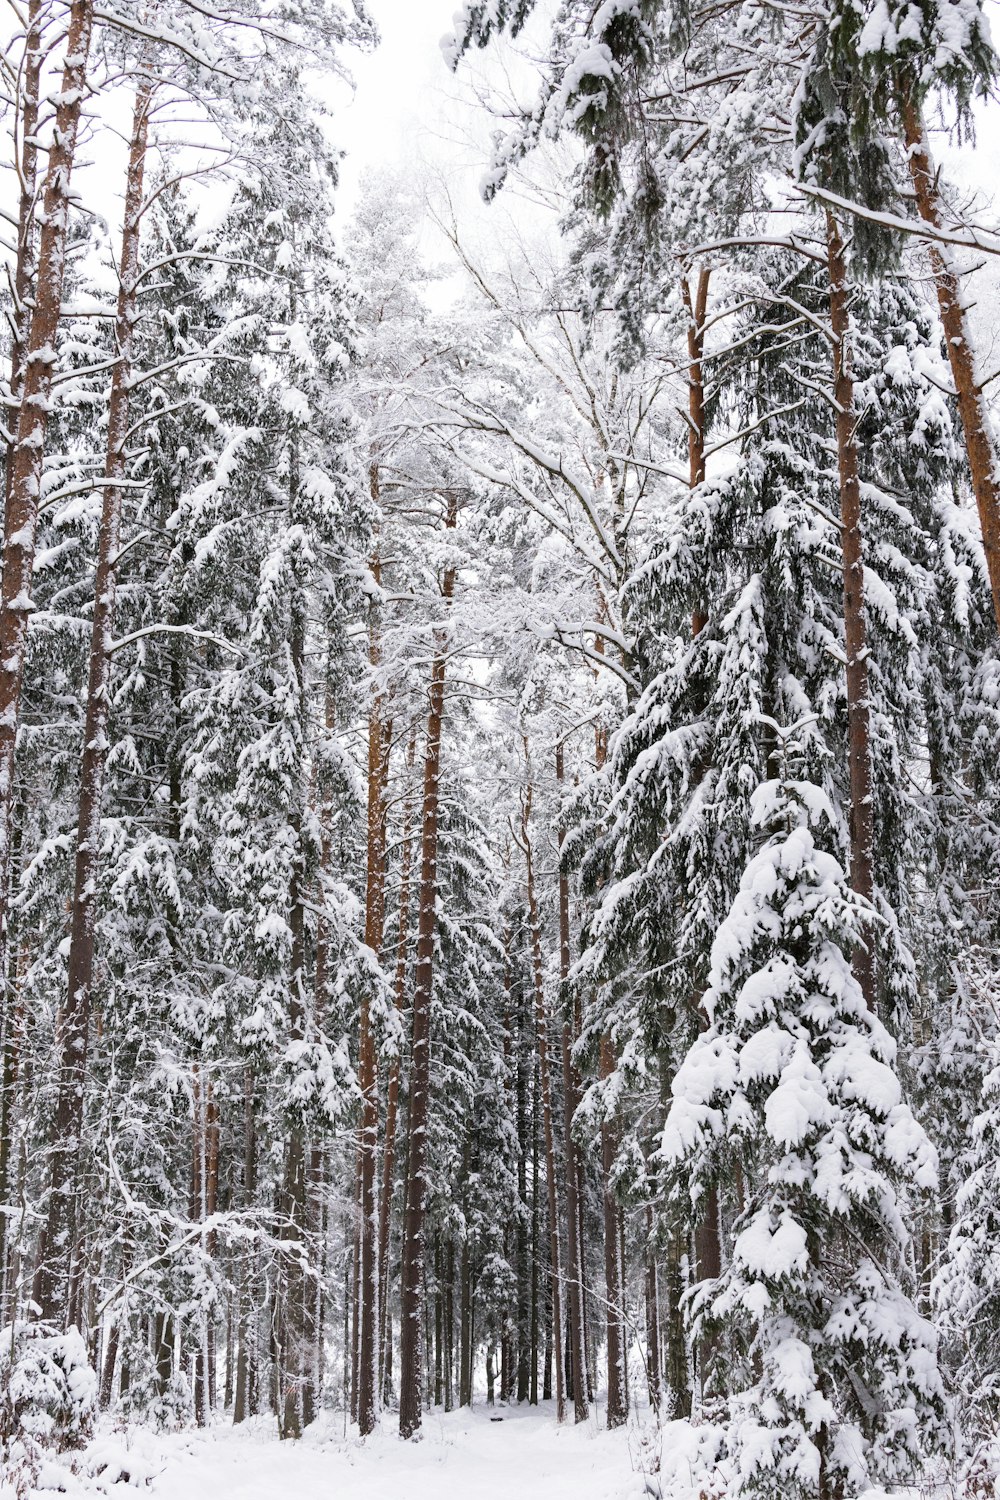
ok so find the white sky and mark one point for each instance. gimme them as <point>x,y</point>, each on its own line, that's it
<point>405,107</point>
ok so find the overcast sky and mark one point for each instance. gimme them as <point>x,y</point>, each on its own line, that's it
<point>407,109</point>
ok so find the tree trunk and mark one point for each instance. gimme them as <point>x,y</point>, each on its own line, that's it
<point>13,1016</point>
<point>367,1074</point>
<point>247,1357</point>
<point>617,1398</point>
<point>708,1250</point>
<point>411,1272</point>
<point>545,1079</point>
<point>21,512</point>
<point>977,427</point>
<point>535,1244</point>
<point>449,1333</point>
<point>858,704</point>
<point>570,1101</point>
<point>652,1319</point>
<point>392,1090</point>
<point>614,1282</point>
<point>24,268</point>
<point>294,1365</point>
<point>466,1338</point>
<point>62,1237</point>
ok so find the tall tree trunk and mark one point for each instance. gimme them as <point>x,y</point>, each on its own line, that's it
<point>617,1397</point>
<point>536,1309</point>
<point>708,1248</point>
<point>248,1327</point>
<point>26,124</point>
<point>411,1272</point>
<point>367,1074</point>
<point>465,1335</point>
<point>392,1089</point>
<point>21,512</point>
<point>858,702</point>
<point>614,1284</point>
<point>294,1362</point>
<point>62,1239</point>
<point>653,1366</point>
<point>570,1100</point>
<point>977,426</point>
<point>12,1037</point>
<point>545,1079</point>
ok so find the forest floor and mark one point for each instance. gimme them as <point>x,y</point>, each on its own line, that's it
<point>462,1455</point>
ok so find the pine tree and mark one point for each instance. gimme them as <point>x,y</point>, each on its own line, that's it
<point>790,1100</point>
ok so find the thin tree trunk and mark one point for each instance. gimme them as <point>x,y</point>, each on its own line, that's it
<point>617,1399</point>
<point>449,1332</point>
<point>652,1319</point>
<point>535,1241</point>
<point>24,269</point>
<point>62,1237</point>
<point>617,1413</point>
<point>21,512</point>
<point>545,1078</point>
<point>858,703</point>
<point>708,1249</point>
<point>570,1100</point>
<point>392,1090</point>
<point>973,407</point>
<point>12,1038</point>
<point>367,1400</point>
<point>411,1273</point>
<point>294,1373</point>
<point>246,1359</point>
<point>465,1334</point>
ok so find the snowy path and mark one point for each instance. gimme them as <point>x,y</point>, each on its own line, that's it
<point>462,1456</point>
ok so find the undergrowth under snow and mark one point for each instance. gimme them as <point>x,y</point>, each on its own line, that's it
<point>504,1454</point>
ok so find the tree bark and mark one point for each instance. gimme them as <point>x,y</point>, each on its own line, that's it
<point>855,635</point>
<point>62,1237</point>
<point>977,427</point>
<point>411,1272</point>
<point>570,1101</point>
<point>392,1089</point>
<point>24,267</point>
<point>545,1079</point>
<point>294,1362</point>
<point>21,513</point>
<point>378,766</point>
<point>614,1283</point>
<point>617,1397</point>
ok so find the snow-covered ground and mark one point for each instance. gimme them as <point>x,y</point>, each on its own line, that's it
<point>464,1455</point>
<point>460,1456</point>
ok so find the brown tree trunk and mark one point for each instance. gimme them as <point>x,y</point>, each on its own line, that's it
<point>13,1016</point>
<point>858,703</point>
<point>617,1397</point>
<point>392,1090</point>
<point>708,1250</point>
<point>653,1367</point>
<point>24,268</point>
<point>545,1079</point>
<point>614,1286</point>
<point>21,512</point>
<point>570,1101</point>
<point>536,1309</point>
<point>411,1271</point>
<point>294,1370</point>
<point>62,1237</point>
<point>246,1360</point>
<point>367,1073</point>
<point>980,440</point>
<point>465,1331</point>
